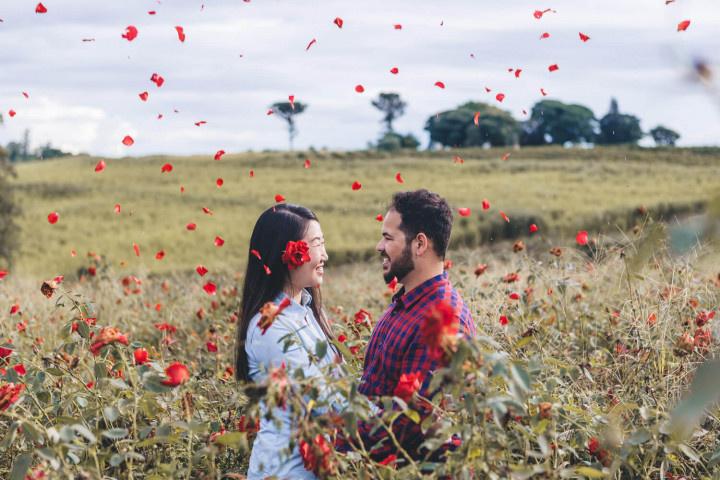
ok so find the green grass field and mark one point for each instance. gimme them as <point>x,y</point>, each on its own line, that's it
<point>559,189</point>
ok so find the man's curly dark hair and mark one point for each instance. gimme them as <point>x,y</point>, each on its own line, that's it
<point>426,212</point>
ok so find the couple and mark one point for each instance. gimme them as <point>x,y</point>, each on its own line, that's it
<point>285,266</point>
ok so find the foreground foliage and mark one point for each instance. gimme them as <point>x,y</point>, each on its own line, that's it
<point>582,356</point>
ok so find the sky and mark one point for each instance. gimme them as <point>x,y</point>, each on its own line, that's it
<point>83,79</point>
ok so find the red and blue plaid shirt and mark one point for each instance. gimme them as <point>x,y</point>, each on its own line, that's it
<point>396,348</point>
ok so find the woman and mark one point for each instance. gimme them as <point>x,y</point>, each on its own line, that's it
<point>286,267</point>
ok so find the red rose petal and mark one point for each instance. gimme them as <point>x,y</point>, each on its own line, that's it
<point>191,226</point>
<point>166,168</point>
<point>144,96</point>
<point>399,178</point>
<point>439,84</point>
<point>485,204</point>
<point>359,88</point>
<point>100,166</point>
<point>394,70</point>
<point>505,217</point>
<point>682,26</point>
<point>12,113</point>
<point>279,198</point>
<point>356,185</point>
<point>219,154</point>
<point>307,163</point>
<point>312,42</point>
<point>533,228</point>
<point>160,255</point>
<point>500,97</point>
<point>180,33</point>
<point>397,26</point>
<point>53,218</point>
<point>338,21</point>
<point>137,249</point>
<point>219,242</point>
<point>582,237</point>
<point>583,37</point>
<point>544,35</point>
<point>201,270</point>
<point>40,8</point>
<point>130,34</point>
<point>553,68</point>
<point>210,288</point>
<point>464,212</point>
<point>128,141</point>
<point>219,182</point>
<point>379,218</point>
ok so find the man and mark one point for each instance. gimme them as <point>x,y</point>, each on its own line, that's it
<point>415,237</point>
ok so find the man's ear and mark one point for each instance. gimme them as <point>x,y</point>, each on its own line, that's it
<point>423,243</point>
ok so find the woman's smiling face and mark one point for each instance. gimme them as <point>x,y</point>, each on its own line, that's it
<point>311,274</point>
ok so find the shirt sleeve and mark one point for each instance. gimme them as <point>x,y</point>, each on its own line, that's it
<point>408,433</point>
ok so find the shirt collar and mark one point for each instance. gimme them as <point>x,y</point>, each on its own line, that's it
<point>305,299</point>
<point>402,298</point>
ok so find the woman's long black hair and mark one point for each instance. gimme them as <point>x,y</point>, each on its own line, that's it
<point>275,227</point>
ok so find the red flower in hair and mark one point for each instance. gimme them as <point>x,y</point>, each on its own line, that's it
<point>296,254</point>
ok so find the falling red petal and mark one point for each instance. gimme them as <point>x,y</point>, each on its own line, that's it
<point>12,113</point>
<point>379,218</point>
<point>100,166</point>
<point>219,182</point>
<point>464,212</point>
<point>40,8</point>
<point>25,95</point>
<point>201,122</point>
<point>136,247</point>
<point>517,72</point>
<point>485,204</point>
<point>583,37</point>
<point>157,79</point>
<point>312,42</point>
<point>582,237</point>
<point>219,154</point>
<point>181,33</point>
<point>356,185</point>
<point>201,270</point>
<point>500,97</point>
<point>394,70</point>
<point>505,157</point>
<point>279,198</point>
<point>128,141</point>
<point>117,208</point>
<point>160,255</point>
<point>505,217</point>
<point>210,288</point>
<point>144,96</point>
<point>533,228</point>
<point>256,254</point>
<point>440,84</point>
<point>338,21</point>
<point>130,34</point>
<point>544,93</point>
<point>399,178</point>
<point>682,26</point>
<point>166,168</point>
<point>476,118</point>
<point>219,242</point>
<point>307,163</point>
<point>207,210</point>
<point>458,159</point>
<point>397,26</point>
<point>359,88</point>
<point>53,218</point>
<point>553,67</point>
<point>191,226</point>
<point>544,35</point>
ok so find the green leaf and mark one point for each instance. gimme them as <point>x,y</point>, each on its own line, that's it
<point>520,376</point>
<point>83,329</point>
<point>116,433</point>
<point>704,391</point>
<point>20,466</point>
<point>236,440</point>
<point>639,437</point>
<point>413,415</point>
<point>321,348</point>
<point>589,472</point>
<point>85,432</point>
<point>111,413</point>
<point>689,452</point>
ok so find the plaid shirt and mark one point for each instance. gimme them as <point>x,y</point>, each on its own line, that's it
<point>395,348</point>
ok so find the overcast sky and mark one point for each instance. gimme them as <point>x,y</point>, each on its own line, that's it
<point>239,57</point>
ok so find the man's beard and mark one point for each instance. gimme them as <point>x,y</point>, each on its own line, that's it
<point>401,267</point>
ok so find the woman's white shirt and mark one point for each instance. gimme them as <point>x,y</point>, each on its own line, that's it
<point>265,351</point>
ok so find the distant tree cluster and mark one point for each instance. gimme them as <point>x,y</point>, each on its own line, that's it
<point>475,124</point>
<point>21,152</point>
<point>551,122</point>
<point>8,213</point>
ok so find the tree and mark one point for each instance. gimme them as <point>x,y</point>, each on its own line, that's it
<point>392,106</point>
<point>554,122</point>
<point>456,128</point>
<point>664,137</point>
<point>617,128</point>
<point>394,141</point>
<point>8,212</point>
<point>287,112</point>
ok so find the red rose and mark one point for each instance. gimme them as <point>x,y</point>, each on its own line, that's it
<point>296,254</point>
<point>408,384</point>
<point>439,330</point>
<point>177,374</point>
<point>107,336</point>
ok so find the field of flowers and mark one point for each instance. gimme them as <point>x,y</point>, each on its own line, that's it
<point>591,361</point>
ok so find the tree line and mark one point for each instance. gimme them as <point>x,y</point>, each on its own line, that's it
<point>476,124</point>
<point>20,151</point>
